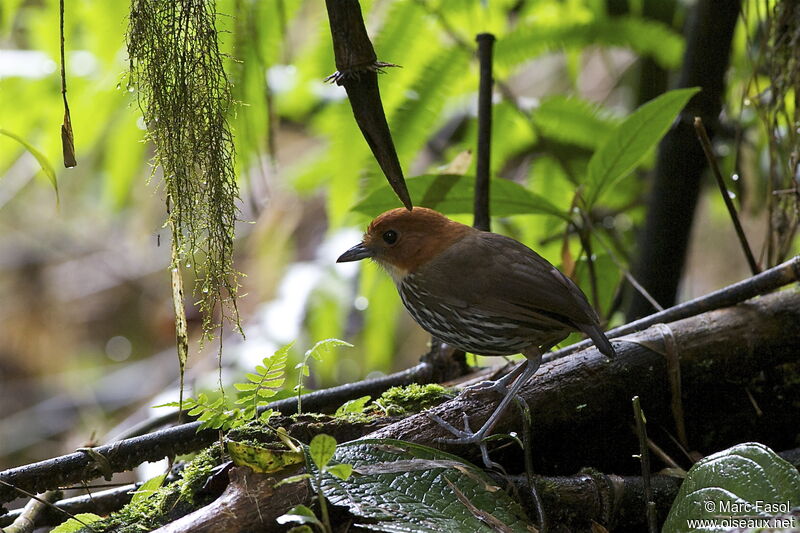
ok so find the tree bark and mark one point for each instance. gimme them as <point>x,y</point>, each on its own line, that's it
<point>250,503</point>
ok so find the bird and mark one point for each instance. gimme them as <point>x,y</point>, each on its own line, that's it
<point>478,291</point>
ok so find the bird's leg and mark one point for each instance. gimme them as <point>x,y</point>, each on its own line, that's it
<point>500,386</point>
<point>466,436</point>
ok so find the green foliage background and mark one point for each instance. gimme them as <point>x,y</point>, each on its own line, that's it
<point>571,66</point>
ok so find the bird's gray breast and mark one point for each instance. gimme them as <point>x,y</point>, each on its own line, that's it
<point>462,325</point>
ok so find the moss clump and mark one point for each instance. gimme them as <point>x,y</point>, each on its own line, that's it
<point>399,401</point>
<point>196,472</point>
<point>165,504</point>
<point>152,512</point>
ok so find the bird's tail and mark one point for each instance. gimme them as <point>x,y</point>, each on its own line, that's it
<point>599,338</point>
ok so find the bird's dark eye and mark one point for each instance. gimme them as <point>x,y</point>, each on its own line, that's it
<point>390,237</point>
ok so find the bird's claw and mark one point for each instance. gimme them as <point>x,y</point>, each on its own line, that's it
<point>465,436</point>
<point>499,387</point>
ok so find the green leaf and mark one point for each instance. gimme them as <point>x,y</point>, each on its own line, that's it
<point>72,524</point>
<point>572,120</point>
<point>341,470</point>
<point>47,168</point>
<point>301,529</point>
<point>262,459</point>
<point>353,406</point>
<point>632,140</point>
<point>407,487</point>
<point>745,480</point>
<point>453,194</point>
<point>196,410</point>
<point>321,449</point>
<point>299,514</point>
<point>148,488</point>
<point>172,404</point>
<point>269,389</point>
<point>645,37</point>
<point>324,346</point>
<point>293,479</point>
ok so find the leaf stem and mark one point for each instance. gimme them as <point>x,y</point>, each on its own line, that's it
<point>712,162</point>
<point>644,458</point>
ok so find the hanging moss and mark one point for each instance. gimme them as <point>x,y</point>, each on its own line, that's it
<point>185,97</point>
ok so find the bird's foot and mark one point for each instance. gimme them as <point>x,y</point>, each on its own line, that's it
<point>466,436</point>
<point>463,436</point>
<point>499,386</point>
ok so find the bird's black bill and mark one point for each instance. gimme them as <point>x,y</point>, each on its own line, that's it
<point>356,253</point>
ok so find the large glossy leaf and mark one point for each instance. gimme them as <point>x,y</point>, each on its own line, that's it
<point>452,194</point>
<point>399,486</point>
<point>632,140</point>
<point>747,480</point>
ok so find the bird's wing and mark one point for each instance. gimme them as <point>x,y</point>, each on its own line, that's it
<point>508,278</point>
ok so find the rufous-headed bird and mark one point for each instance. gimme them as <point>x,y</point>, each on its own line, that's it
<point>478,291</point>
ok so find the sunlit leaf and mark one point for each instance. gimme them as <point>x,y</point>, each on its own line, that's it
<point>632,140</point>
<point>262,459</point>
<point>342,471</point>
<point>77,523</point>
<point>321,449</point>
<point>148,488</point>
<point>353,406</point>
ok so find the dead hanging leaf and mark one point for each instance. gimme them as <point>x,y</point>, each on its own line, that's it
<point>67,139</point>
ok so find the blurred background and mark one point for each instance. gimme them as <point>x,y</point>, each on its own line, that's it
<point>87,337</point>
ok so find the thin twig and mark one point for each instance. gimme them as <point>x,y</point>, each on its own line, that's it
<point>586,242</point>
<point>661,454</point>
<point>26,521</point>
<point>712,162</point>
<point>44,500</point>
<point>644,458</point>
<point>483,163</point>
<point>102,502</point>
<point>528,451</point>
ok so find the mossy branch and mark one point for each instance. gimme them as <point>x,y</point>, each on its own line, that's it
<point>185,97</point>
